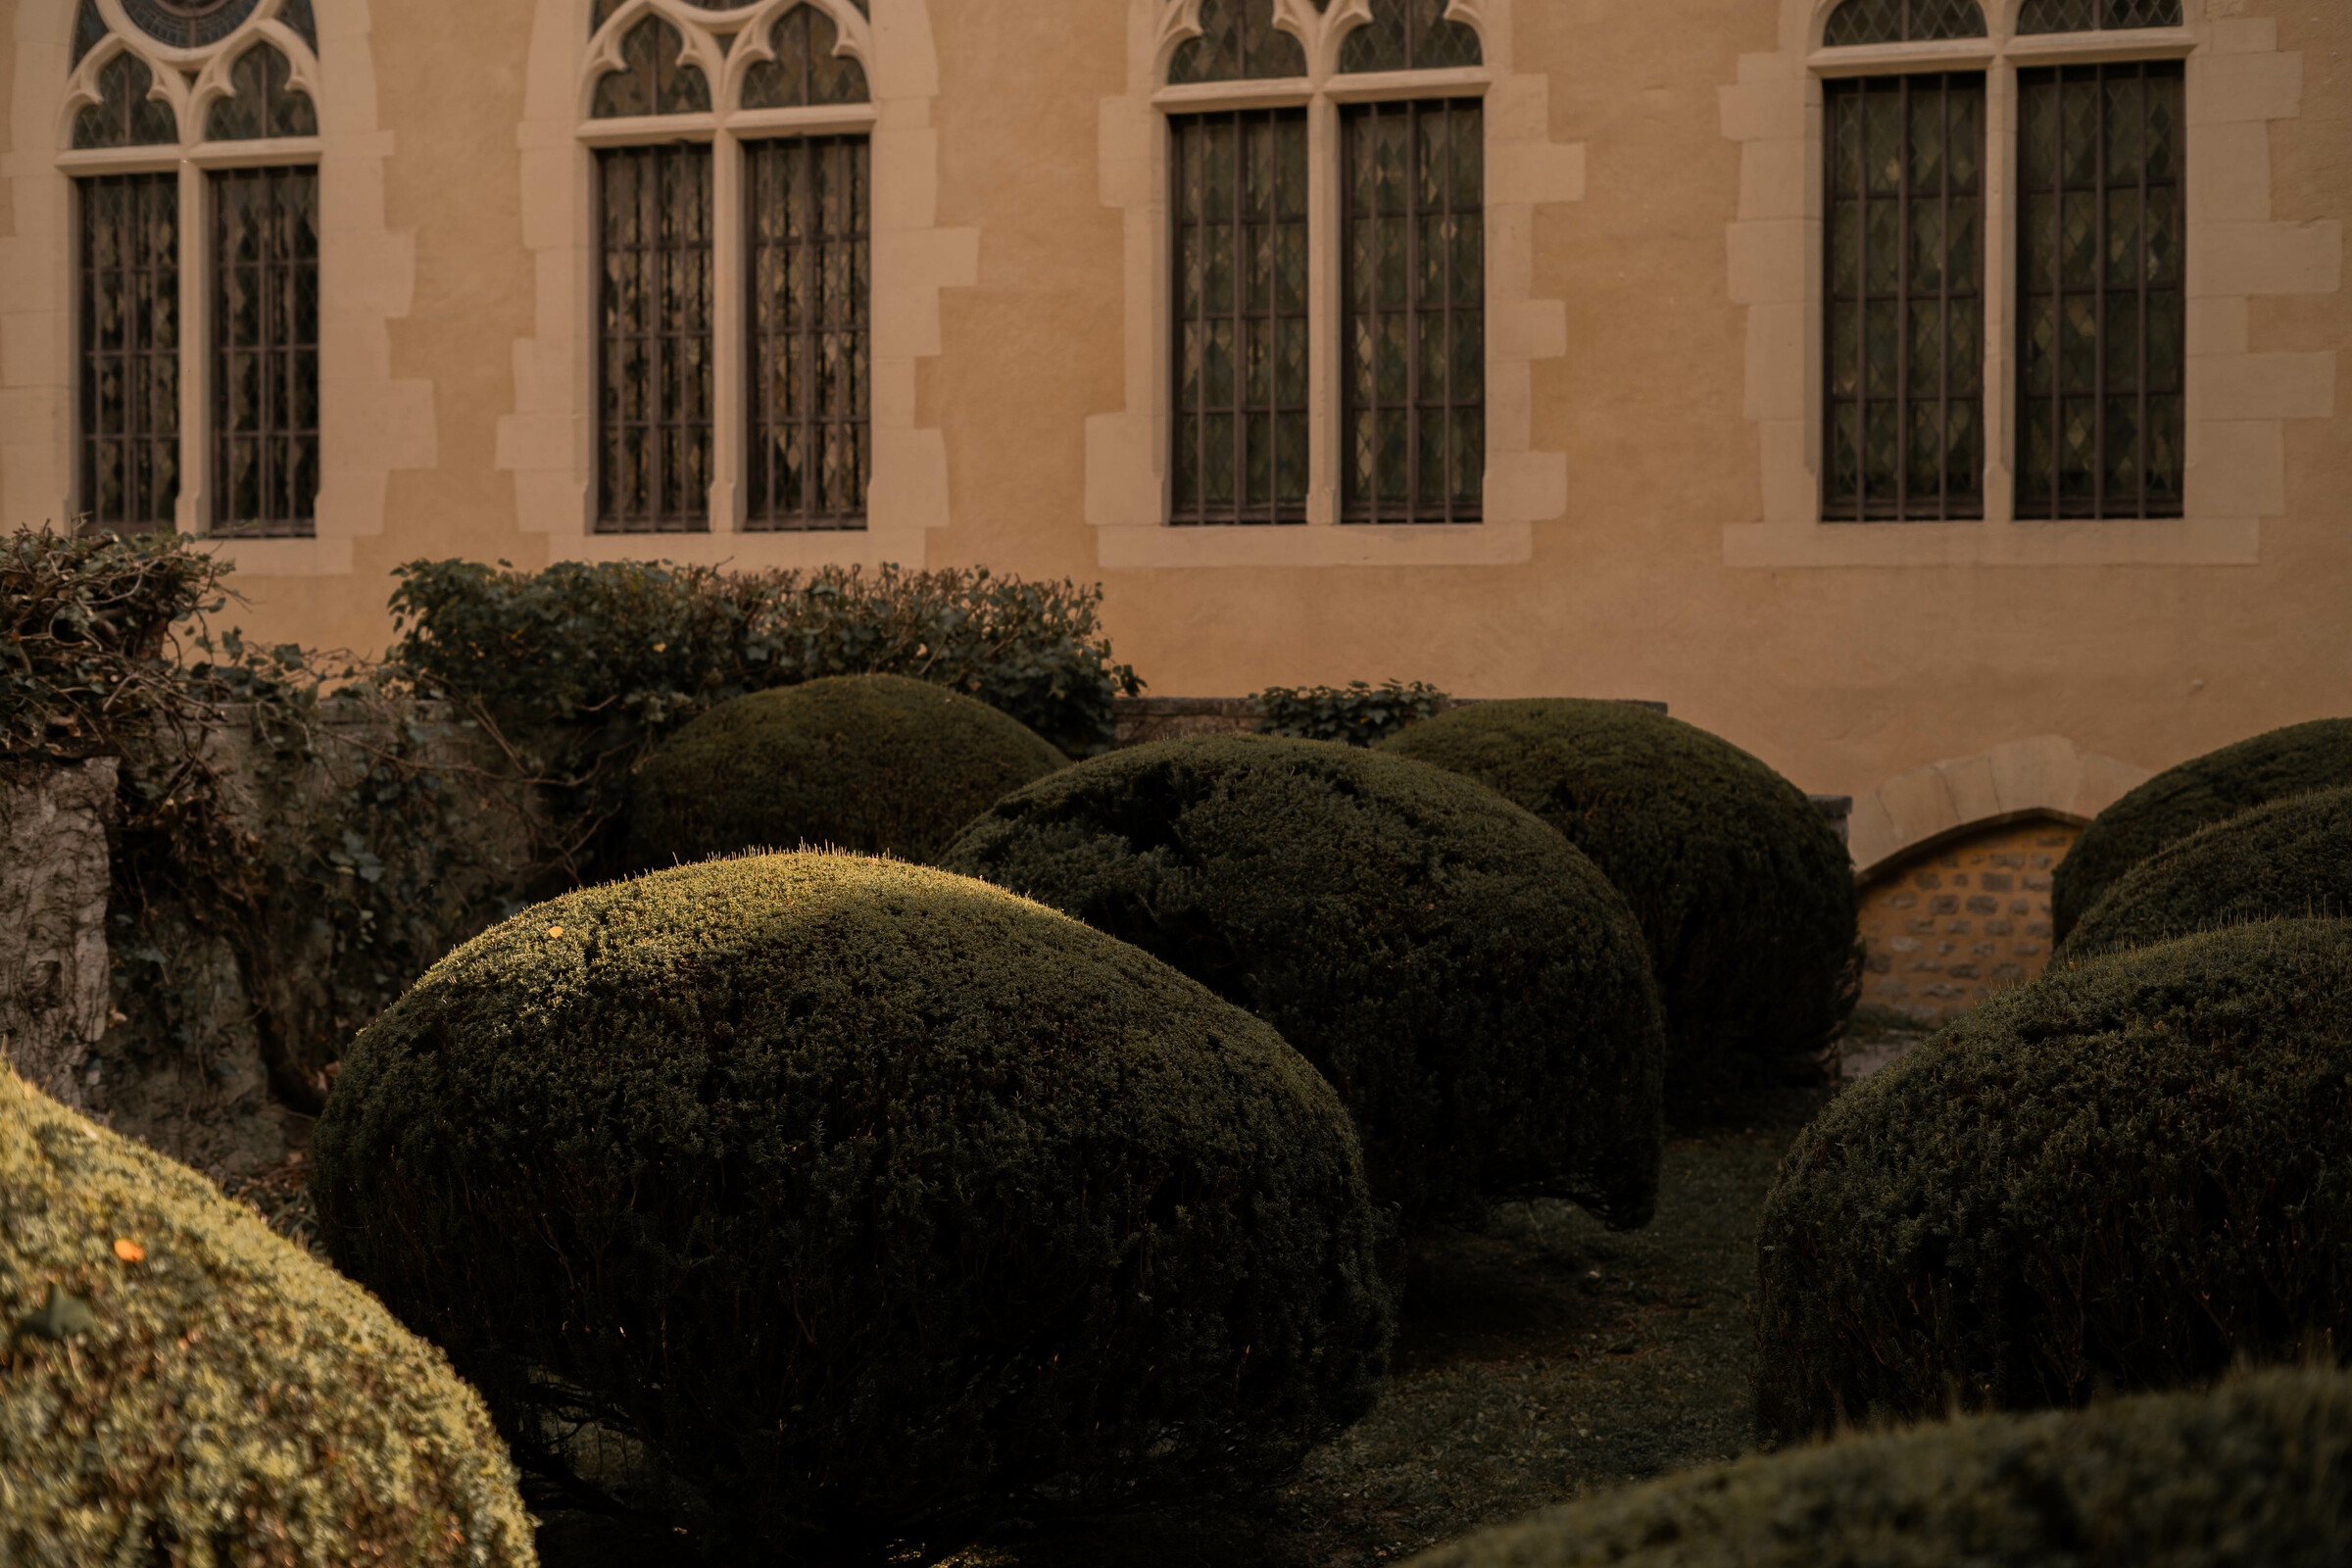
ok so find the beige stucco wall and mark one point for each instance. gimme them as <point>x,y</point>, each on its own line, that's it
<point>1847,677</point>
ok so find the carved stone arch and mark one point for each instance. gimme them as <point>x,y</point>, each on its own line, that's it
<point>82,87</point>
<point>854,39</point>
<point>2043,776</point>
<point>1180,24</point>
<point>213,82</point>
<point>604,56</point>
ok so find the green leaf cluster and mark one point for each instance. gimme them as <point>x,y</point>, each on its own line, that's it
<point>1357,713</point>
<point>2204,789</point>
<point>2127,1175</point>
<point>646,646</point>
<point>1745,892</point>
<point>183,1387</point>
<point>2255,1471</point>
<point>863,1197</point>
<point>1468,982</point>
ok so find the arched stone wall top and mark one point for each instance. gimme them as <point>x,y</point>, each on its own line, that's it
<point>2045,775</point>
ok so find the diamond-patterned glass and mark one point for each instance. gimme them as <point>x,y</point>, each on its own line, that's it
<point>2102,316</point>
<point>296,13</point>
<point>125,116</point>
<point>806,69</point>
<point>265,352</point>
<point>89,30</point>
<point>1238,42</point>
<point>2090,16</point>
<point>264,101</point>
<point>130,305</point>
<point>1239,195</point>
<point>1411,182</point>
<point>655,77</point>
<point>655,333</point>
<point>1867,22</point>
<point>1409,35</point>
<point>808,207</point>
<point>1905,380</point>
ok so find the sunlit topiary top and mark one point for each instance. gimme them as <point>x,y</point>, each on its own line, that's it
<point>177,1373</point>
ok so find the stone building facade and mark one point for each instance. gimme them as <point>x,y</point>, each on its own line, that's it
<point>1943,398</point>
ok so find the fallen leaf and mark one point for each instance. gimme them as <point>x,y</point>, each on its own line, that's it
<point>554,930</point>
<point>129,1251</point>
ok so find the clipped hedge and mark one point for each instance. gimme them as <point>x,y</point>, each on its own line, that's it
<point>180,1385</point>
<point>1745,894</point>
<point>1470,985</point>
<point>2256,1473</point>
<point>2124,1175</point>
<point>863,1197</point>
<point>1357,713</point>
<point>2289,858</point>
<point>2202,791</point>
<point>876,764</point>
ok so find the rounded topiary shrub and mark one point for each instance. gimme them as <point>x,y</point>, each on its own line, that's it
<point>2122,1176</point>
<point>1745,892</point>
<point>2290,857</point>
<point>180,1386</point>
<point>1471,985</point>
<point>856,1198</point>
<point>2202,791</point>
<point>880,765</point>
<point>2256,1473</point>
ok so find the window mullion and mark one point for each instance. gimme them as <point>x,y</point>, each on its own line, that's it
<point>1327,310</point>
<point>195,350</point>
<point>728,388</point>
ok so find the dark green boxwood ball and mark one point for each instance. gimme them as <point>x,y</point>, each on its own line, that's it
<point>879,764</point>
<point>868,1198</point>
<point>1745,894</point>
<point>1470,984</point>
<point>2123,1176</point>
<point>2256,1473</point>
<point>2290,857</point>
<point>2202,791</point>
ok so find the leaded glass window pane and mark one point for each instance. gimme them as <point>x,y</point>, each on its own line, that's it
<point>1861,22</point>
<point>130,264</point>
<point>808,207</point>
<point>602,12</point>
<point>2093,16</point>
<point>1240,331</point>
<point>2102,318</point>
<point>265,103</point>
<point>1409,35</point>
<point>89,30</point>
<point>655,77</point>
<point>805,70</point>
<point>654,378</point>
<point>264,351</point>
<point>1238,42</point>
<point>124,114</point>
<point>1413,332</point>
<point>188,24</point>
<point>1905,307</point>
<point>296,13</point>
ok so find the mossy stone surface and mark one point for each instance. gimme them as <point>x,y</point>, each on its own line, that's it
<point>1471,985</point>
<point>867,1199</point>
<point>180,1386</point>
<point>2293,760</point>
<point>879,764</point>
<point>2288,858</point>
<point>2126,1175</point>
<point>2255,1473</point>
<point>1745,892</point>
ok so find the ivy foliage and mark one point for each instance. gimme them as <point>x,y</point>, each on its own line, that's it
<point>642,647</point>
<point>1357,713</point>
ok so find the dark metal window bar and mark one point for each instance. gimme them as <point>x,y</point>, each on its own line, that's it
<point>1903,373</point>
<point>653,371</point>
<point>2103,321</point>
<point>265,391</point>
<point>1240,334</point>
<point>130,266</point>
<point>1414,333</point>
<point>807,212</point>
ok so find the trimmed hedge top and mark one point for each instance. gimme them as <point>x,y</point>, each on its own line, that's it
<point>878,764</point>
<point>1745,894</point>
<point>2124,1175</point>
<point>181,1385</point>
<point>2204,789</point>
<point>1468,981</point>
<point>2256,1473</point>
<point>868,1198</point>
<point>2290,857</point>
